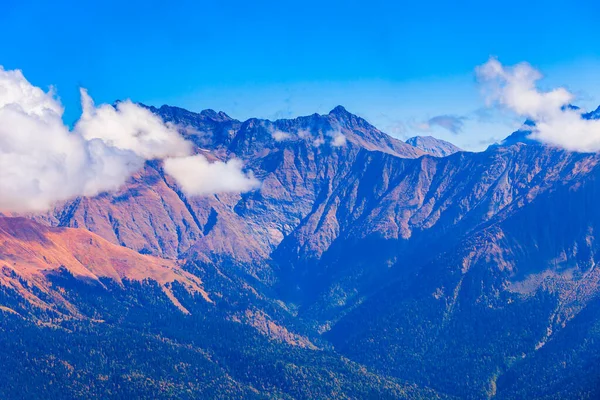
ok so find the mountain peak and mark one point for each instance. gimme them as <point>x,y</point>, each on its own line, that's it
<point>339,111</point>
<point>433,146</point>
<point>217,116</point>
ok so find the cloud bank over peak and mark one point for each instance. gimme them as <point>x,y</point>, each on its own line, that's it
<point>43,162</point>
<point>130,127</point>
<point>556,123</point>
<point>209,178</point>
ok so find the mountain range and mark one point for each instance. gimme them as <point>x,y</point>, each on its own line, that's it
<point>363,267</point>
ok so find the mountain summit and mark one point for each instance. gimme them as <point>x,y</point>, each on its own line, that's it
<point>340,111</point>
<point>336,129</point>
<point>433,146</point>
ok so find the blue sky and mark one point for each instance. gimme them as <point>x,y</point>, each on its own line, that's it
<point>398,64</point>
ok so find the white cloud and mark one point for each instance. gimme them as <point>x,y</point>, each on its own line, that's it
<point>17,93</point>
<point>515,88</point>
<point>280,136</point>
<point>130,127</point>
<point>334,137</point>
<point>304,133</point>
<point>43,162</point>
<point>318,142</point>
<point>337,138</point>
<point>452,123</point>
<point>197,176</point>
<point>276,134</point>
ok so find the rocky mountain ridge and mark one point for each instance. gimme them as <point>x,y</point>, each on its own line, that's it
<point>411,264</point>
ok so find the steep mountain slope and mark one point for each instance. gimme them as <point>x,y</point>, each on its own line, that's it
<point>494,285</point>
<point>433,146</point>
<point>567,367</point>
<point>84,318</point>
<point>31,253</point>
<point>495,295</point>
<point>392,211</point>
